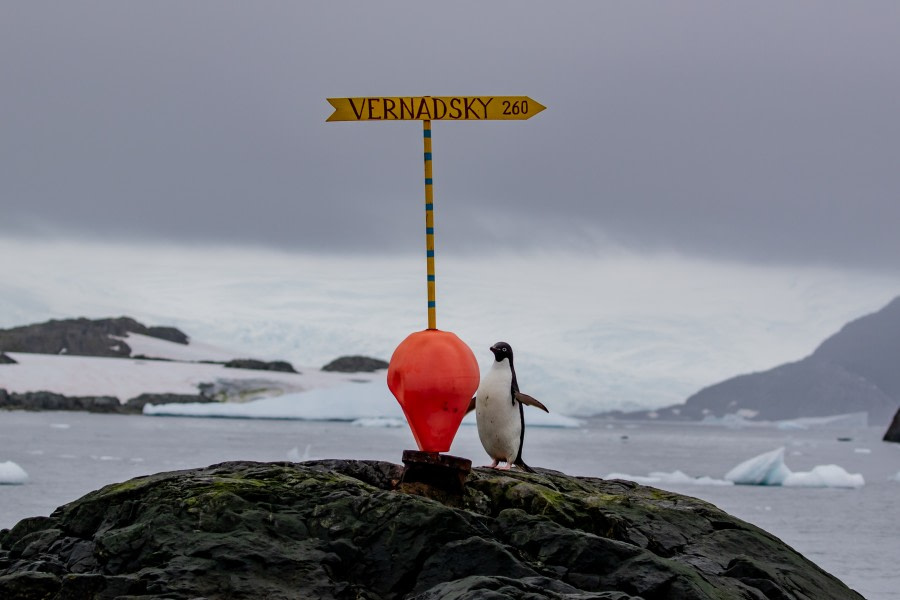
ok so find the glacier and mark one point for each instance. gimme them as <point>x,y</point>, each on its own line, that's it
<point>592,333</point>
<point>364,403</point>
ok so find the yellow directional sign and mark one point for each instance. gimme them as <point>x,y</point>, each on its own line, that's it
<point>434,108</point>
<point>428,109</point>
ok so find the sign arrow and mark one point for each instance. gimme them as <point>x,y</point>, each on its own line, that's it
<point>434,108</point>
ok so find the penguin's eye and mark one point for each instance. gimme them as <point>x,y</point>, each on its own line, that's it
<point>504,349</point>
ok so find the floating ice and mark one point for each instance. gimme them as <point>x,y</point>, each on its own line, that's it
<point>12,474</point>
<point>744,418</point>
<point>825,476</point>
<point>294,454</point>
<point>848,420</point>
<point>769,469</point>
<point>537,418</point>
<point>673,478</point>
<point>731,420</point>
<point>766,469</point>
<point>379,422</point>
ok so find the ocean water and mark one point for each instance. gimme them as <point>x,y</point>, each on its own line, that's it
<point>851,533</point>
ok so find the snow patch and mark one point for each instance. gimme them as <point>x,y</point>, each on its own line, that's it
<point>347,402</point>
<point>769,469</point>
<point>12,474</point>
<point>146,345</point>
<point>126,378</point>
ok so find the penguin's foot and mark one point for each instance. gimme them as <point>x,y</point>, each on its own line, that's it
<point>505,467</point>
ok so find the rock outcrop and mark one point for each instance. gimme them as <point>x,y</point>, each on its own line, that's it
<point>281,366</point>
<point>51,401</point>
<point>244,390</point>
<point>893,431</point>
<point>346,529</point>
<point>82,337</point>
<point>97,404</point>
<point>355,364</point>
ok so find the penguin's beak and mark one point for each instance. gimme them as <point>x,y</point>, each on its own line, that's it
<point>494,348</point>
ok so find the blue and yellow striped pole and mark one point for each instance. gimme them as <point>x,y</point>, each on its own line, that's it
<point>429,226</point>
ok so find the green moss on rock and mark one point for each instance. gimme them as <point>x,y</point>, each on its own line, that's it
<point>342,529</point>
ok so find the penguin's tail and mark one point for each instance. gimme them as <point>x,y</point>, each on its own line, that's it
<point>521,464</point>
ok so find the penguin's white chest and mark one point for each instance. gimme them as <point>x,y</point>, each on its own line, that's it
<point>498,418</point>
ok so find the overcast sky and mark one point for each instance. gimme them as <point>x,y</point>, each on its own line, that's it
<point>761,132</point>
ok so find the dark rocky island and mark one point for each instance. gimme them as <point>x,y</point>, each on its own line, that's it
<point>82,337</point>
<point>346,529</point>
<point>281,366</point>
<point>43,400</point>
<point>355,364</point>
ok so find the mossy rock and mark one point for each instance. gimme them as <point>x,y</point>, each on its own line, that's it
<point>346,529</point>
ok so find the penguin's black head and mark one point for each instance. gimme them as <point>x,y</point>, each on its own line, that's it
<point>501,351</point>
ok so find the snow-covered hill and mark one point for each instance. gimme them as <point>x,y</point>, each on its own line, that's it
<point>592,332</point>
<point>311,394</point>
<point>180,370</point>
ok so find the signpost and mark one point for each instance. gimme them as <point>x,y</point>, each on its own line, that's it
<point>434,108</point>
<point>428,109</point>
<point>433,374</point>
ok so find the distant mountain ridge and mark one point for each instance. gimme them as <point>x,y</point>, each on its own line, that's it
<point>855,370</point>
<point>82,337</point>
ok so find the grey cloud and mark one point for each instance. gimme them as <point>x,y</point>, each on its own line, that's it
<point>755,132</point>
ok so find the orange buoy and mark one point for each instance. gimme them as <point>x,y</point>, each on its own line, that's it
<point>433,374</point>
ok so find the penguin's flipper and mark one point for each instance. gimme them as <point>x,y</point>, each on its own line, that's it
<point>471,405</point>
<point>526,399</point>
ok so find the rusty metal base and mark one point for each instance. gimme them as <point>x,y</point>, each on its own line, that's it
<point>441,471</point>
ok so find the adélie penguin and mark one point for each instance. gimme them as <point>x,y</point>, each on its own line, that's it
<point>499,411</point>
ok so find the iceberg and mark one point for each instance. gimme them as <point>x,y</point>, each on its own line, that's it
<point>766,469</point>
<point>673,478</point>
<point>769,469</point>
<point>12,474</point>
<point>825,476</point>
